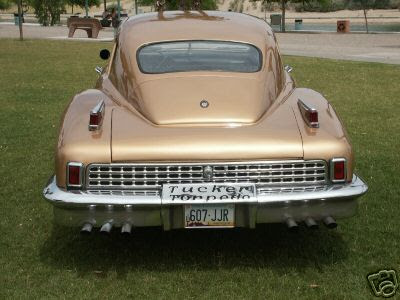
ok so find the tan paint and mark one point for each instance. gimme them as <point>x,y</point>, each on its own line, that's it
<point>147,91</point>
<point>177,100</point>
<point>330,139</point>
<point>145,142</point>
<point>158,117</point>
<point>76,143</point>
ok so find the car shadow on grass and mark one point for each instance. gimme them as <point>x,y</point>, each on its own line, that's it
<point>151,249</point>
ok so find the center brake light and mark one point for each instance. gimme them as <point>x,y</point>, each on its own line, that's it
<point>96,116</point>
<point>309,114</point>
<point>74,174</point>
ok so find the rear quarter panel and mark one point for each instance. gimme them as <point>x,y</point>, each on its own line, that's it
<point>76,141</point>
<point>330,139</point>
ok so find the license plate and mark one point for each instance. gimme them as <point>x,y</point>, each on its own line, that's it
<point>208,192</point>
<point>216,215</point>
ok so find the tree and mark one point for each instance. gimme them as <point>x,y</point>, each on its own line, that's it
<point>365,6</point>
<point>4,4</point>
<point>283,8</point>
<point>182,4</point>
<point>48,11</point>
<point>283,4</point>
<point>21,33</point>
<point>81,3</point>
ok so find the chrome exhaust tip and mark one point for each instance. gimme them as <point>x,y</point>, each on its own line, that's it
<point>126,228</point>
<point>330,222</point>
<point>310,223</point>
<point>86,228</point>
<point>292,225</point>
<point>106,228</point>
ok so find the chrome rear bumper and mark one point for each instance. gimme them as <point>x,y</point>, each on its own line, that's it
<point>272,205</point>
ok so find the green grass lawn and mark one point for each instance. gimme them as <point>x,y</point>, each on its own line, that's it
<point>40,260</point>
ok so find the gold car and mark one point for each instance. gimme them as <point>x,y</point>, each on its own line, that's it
<point>196,123</point>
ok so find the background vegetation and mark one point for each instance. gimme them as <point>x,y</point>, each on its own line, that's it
<point>334,5</point>
<point>325,5</point>
<point>47,11</point>
<point>41,260</point>
<point>174,4</point>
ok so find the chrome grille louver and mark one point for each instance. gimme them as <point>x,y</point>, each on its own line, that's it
<point>124,192</point>
<point>152,175</point>
<point>291,189</point>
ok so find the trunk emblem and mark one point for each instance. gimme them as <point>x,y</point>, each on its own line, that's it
<point>208,173</point>
<point>204,103</point>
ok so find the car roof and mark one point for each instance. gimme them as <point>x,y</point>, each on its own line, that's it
<point>195,25</point>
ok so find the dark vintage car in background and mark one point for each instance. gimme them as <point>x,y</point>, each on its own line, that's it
<point>196,123</point>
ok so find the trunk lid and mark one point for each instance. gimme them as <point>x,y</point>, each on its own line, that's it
<point>275,136</point>
<point>177,100</point>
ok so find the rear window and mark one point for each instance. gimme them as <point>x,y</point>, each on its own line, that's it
<point>185,56</point>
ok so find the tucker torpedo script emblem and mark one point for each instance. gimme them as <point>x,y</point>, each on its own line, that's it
<point>204,103</point>
<point>208,173</point>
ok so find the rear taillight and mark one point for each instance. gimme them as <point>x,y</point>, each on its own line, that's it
<point>312,116</point>
<point>338,169</point>
<point>309,114</point>
<point>95,120</point>
<point>74,174</point>
<point>96,116</point>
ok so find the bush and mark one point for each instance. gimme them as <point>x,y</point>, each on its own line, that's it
<point>81,3</point>
<point>236,5</point>
<point>376,4</point>
<point>205,4</point>
<point>114,6</point>
<point>188,4</point>
<point>321,5</point>
<point>48,11</point>
<point>209,5</point>
<point>334,5</point>
<point>4,4</point>
<point>382,4</point>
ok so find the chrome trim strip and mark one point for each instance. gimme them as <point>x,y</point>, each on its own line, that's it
<point>71,199</point>
<point>81,174</point>
<point>306,108</point>
<point>340,191</point>
<point>78,198</point>
<point>332,169</point>
<point>97,110</point>
<point>218,163</point>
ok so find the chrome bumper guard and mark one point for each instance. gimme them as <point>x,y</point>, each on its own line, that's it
<point>271,205</point>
